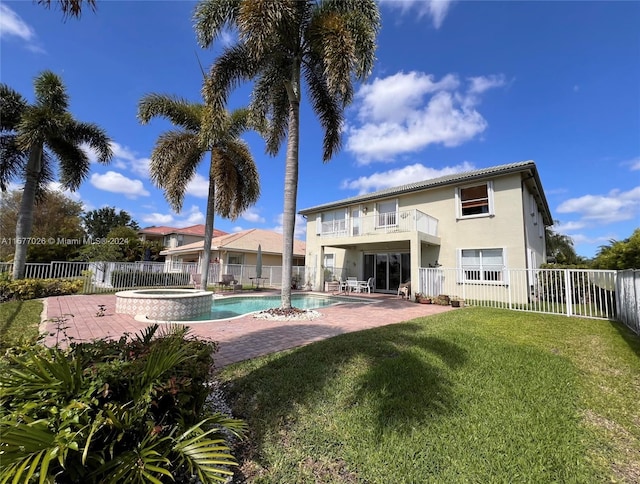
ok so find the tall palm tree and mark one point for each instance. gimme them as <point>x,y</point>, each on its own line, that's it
<point>233,177</point>
<point>32,136</point>
<point>326,43</point>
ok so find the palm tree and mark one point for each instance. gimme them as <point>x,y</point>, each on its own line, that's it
<point>32,136</point>
<point>70,8</point>
<point>233,177</point>
<point>326,43</point>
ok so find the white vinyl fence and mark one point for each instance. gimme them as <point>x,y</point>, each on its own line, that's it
<point>588,293</point>
<point>110,276</point>
<point>628,298</point>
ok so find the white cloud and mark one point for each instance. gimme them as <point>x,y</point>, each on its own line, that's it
<point>237,229</point>
<point>634,164</point>
<point>300,231</point>
<point>193,216</point>
<point>397,119</point>
<point>115,182</point>
<point>603,209</point>
<point>123,158</point>
<point>563,228</point>
<point>57,187</point>
<point>402,176</point>
<point>436,9</point>
<point>157,219</point>
<point>12,25</point>
<point>198,186</point>
<point>252,215</point>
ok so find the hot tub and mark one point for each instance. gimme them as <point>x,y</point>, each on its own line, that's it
<point>164,304</point>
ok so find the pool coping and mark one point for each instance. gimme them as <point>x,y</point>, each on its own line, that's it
<point>345,300</point>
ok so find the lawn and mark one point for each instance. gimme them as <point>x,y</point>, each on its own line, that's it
<point>474,395</point>
<point>19,321</point>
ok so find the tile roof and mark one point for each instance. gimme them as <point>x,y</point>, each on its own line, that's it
<point>245,241</point>
<point>196,230</point>
<point>443,181</point>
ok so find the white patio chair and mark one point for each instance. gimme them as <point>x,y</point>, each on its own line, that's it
<point>368,285</point>
<point>352,284</point>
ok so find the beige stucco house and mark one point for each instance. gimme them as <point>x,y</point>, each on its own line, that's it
<point>237,249</point>
<point>481,222</point>
<point>172,237</point>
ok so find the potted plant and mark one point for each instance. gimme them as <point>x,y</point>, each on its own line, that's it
<point>423,299</point>
<point>442,300</point>
<point>457,302</point>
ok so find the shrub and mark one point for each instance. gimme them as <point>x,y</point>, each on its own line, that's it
<point>131,410</point>
<point>24,289</point>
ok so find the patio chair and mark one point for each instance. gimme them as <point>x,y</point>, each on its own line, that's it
<point>368,285</point>
<point>196,280</point>
<point>352,284</point>
<point>405,290</point>
<point>228,280</point>
<point>342,286</point>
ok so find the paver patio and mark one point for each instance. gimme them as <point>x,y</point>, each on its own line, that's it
<point>241,338</point>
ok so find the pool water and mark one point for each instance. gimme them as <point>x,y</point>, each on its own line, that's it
<point>238,306</point>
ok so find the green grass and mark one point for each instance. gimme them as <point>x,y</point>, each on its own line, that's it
<point>19,321</point>
<point>475,395</point>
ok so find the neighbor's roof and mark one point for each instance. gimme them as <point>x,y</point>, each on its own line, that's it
<point>245,241</point>
<point>523,166</point>
<point>196,230</point>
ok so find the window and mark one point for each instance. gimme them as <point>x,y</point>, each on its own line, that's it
<point>180,240</point>
<point>475,200</point>
<point>387,213</point>
<point>334,223</point>
<point>329,267</point>
<point>235,259</point>
<point>482,265</point>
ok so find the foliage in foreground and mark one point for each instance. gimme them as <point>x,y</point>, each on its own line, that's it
<point>24,289</point>
<point>474,395</point>
<point>131,410</point>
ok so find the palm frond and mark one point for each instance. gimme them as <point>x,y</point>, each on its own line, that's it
<point>327,108</point>
<point>174,161</point>
<point>261,23</point>
<point>74,162</point>
<point>178,111</point>
<point>236,177</point>
<point>91,134</point>
<point>211,17</point>
<point>50,92</point>
<point>232,67</point>
<point>12,105</point>
<point>12,160</point>
<point>270,101</point>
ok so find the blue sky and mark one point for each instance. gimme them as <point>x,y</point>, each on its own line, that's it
<point>457,86</point>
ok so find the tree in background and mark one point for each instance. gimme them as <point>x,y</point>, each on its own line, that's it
<point>99,222</point>
<point>233,177</point>
<point>121,244</point>
<point>283,44</point>
<point>57,227</point>
<point>32,136</point>
<point>620,255</point>
<point>560,248</point>
<point>70,8</point>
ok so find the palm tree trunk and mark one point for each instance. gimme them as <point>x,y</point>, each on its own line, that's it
<point>290,197</point>
<point>208,228</point>
<point>25,216</point>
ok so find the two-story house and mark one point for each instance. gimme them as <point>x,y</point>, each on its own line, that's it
<point>481,222</point>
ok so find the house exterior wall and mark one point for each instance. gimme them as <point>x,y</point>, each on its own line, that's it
<point>509,227</point>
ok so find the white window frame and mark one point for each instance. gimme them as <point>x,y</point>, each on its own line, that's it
<point>337,226</point>
<point>491,211</point>
<point>390,219</point>
<point>240,257</point>
<point>329,262</point>
<point>463,271</point>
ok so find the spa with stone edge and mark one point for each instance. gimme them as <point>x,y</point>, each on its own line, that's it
<point>164,304</point>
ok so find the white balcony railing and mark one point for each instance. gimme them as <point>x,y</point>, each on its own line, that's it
<point>381,223</point>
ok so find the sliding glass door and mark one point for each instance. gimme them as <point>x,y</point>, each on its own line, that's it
<point>387,269</point>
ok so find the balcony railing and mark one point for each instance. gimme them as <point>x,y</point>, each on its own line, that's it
<point>381,223</point>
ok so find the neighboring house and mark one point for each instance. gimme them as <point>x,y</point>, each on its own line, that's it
<point>239,248</point>
<point>481,222</point>
<point>171,237</point>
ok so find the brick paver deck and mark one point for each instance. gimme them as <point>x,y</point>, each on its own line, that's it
<point>239,339</point>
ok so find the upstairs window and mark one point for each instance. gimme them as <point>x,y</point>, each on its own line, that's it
<point>387,213</point>
<point>476,200</point>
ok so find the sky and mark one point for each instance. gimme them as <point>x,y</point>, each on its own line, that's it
<point>457,86</point>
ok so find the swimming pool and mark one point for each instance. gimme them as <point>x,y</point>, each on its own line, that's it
<point>233,307</point>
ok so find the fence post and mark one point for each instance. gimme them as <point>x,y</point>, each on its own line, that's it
<point>568,292</point>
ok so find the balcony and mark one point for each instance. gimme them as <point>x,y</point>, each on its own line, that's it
<point>380,224</point>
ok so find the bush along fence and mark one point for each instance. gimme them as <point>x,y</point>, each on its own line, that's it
<point>98,277</point>
<point>574,292</point>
